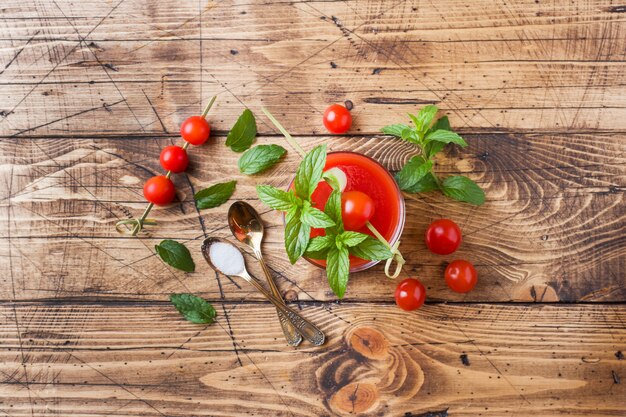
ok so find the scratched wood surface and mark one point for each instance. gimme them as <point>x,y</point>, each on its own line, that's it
<point>92,90</point>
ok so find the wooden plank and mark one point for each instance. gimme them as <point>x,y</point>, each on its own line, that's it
<point>81,69</point>
<point>551,230</point>
<point>143,360</point>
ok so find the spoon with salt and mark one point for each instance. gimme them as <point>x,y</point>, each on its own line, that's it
<point>224,257</point>
<point>247,227</point>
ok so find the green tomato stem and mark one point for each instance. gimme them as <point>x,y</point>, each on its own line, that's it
<point>286,134</point>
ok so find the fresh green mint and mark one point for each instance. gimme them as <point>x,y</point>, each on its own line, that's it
<point>260,158</point>
<point>301,215</point>
<point>194,309</point>
<point>175,255</point>
<point>336,246</point>
<point>431,136</point>
<point>243,132</point>
<point>463,189</point>
<point>310,171</point>
<point>215,195</point>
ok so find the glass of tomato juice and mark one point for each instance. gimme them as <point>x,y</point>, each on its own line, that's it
<point>368,176</point>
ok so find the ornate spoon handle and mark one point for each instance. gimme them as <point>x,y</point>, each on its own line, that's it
<point>307,329</point>
<point>294,338</point>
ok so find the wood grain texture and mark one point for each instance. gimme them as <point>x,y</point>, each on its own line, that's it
<point>555,203</point>
<point>122,67</point>
<point>142,360</point>
<point>91,92</point>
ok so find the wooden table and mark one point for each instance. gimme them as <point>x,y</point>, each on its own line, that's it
<point>93,90</point>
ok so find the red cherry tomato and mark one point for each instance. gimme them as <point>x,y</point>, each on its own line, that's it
<point>443,237</point>
<point>356,209</point>
<point>159,190</point>
<point>337,119</point>
<point>195,130</point>
<point>174,158</point>
<point>461,276</point>
<point>410,294</point>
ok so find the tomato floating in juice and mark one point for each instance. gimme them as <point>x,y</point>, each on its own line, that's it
<point>368,176</point>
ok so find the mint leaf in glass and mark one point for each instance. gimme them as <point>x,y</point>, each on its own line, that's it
<point>314,217</point>
<point>310,171</point>
<point>276,198</point>
<point>371,249</point>
<point>297,235</point>
<point>338,269</point>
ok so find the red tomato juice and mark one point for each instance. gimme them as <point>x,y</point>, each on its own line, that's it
<point>368,176</point>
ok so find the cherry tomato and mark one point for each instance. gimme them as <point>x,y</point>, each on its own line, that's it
<point>461,276</point>
<point>159,190</point>
<point>337,119</point>
<point>443,237</point>
<point>410,294</point>
<point>356,209</point>
<point>174,158</point>
<point>195,130</point>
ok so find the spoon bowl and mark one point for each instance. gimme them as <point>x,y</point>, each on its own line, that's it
<point>246,224</point>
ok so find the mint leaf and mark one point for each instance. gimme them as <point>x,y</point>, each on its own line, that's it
<point>338,269</point>
<point>441,124</point>
<point>175,255</point>
<point>333,209</point>
<point>371,249</point>
<point>351,239</point>
<point>426,184</point>
<point>314,217</point>
<point>297,235</point>
<point>394,130</point>
<point>413,172</point>
<point>310,171</point>
<point>276,198</point>
<point>410,135</point>
<point>424,118</point>
<point>260,158</point>
<point>432,148</point>
<point>320,242</point>
<point>463,189</point>
<point>194,309</point>
<point>243,132</point>
<point>446,136</point>
<point>215,195</point>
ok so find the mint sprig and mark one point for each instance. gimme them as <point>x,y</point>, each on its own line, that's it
<point>301,215</point>
<point>338,244</point>
<point>431,136</point>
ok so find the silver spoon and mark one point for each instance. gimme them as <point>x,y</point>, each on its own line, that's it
<point>307,329</point>
<point>247,227</point>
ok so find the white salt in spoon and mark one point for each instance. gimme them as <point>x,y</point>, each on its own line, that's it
<point>224,257</point>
